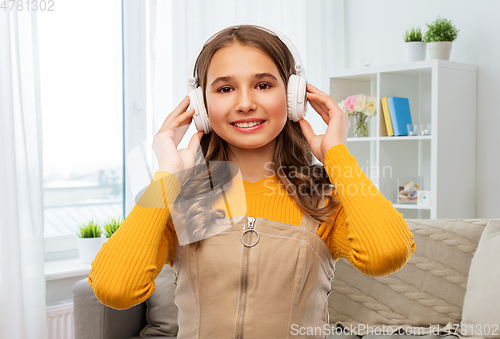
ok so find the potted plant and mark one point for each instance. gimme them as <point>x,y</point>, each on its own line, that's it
<point>89,241</point>
<point>415,47</point>
<point>111,226</point>
<point>440,35</point>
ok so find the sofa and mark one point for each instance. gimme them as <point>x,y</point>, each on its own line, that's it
<point>449,288</point>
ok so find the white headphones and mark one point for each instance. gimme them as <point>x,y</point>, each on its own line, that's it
<point>296,106</point>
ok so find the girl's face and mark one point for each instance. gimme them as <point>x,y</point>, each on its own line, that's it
<point>244,83</point>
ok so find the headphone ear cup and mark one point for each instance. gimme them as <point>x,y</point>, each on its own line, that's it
<point>200,116</point>
<point>291,95</point>
<point>296,101</point>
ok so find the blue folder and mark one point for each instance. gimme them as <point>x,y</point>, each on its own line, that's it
<point>399,108</point>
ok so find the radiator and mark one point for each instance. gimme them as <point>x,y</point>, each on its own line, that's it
<point>60,320</point>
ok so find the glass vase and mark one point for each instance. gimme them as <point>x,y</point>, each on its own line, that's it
<point>360,125</point>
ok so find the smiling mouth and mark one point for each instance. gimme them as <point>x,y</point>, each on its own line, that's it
<point>248,124</point>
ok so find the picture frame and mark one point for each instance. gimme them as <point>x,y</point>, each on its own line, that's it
<point>408,188</point>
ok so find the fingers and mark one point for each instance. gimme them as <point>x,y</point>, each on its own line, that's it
<point>323,103</point>
<point>327,101</point>
<point>311,88</point>
<point>182,106</point>
<point>311,97</point>
<point>178,117</point>
<point>182,120</point>
<point>321,109</point>
<point>323,99</point>
<point>185,117</point>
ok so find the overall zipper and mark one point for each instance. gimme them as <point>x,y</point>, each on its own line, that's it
<point>251,223</point>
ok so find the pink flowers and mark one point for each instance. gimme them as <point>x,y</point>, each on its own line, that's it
<point>361,108</point>
<point>359,104</point>
<point>349,103</point>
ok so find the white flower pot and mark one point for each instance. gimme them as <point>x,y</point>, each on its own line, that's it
<point>415,51</point>
<point>89,247</point>
<point>440,50</point>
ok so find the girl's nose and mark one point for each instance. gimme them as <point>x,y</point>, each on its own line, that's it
<point>245,101</point>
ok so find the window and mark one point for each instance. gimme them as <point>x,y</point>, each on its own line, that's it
<point>80,46</point>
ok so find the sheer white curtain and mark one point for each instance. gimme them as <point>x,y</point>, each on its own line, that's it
<point>177,29</point>
<point>22,280</point>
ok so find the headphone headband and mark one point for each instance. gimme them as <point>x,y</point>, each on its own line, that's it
<point>299,69</point>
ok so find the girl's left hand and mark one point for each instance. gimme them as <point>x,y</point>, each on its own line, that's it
<point>337,121</point>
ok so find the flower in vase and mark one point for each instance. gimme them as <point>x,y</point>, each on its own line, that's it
<point>349,103</point>
<point>361,108</point>
<point>371,106</point>
<point>359,103</point>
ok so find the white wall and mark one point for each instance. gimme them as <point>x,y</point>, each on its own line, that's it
<point>375,28</point>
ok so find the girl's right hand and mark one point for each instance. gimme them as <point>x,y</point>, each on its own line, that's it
<point>177,162</point>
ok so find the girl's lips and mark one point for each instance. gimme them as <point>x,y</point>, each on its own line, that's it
<point>249,129</point>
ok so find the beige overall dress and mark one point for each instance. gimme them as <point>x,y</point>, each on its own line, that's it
<point>257,279</point>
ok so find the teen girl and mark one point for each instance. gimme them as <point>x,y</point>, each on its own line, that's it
<point>271,271</point>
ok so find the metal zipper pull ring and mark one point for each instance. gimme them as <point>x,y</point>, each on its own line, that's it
<point>251,221</point>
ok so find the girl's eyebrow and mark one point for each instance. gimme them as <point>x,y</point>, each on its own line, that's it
<point>230,77</point>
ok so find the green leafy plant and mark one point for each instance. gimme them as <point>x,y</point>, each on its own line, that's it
<point>111,226</point>
<point>441,30</point>
<point>89,230</point>
<point>415,34</point>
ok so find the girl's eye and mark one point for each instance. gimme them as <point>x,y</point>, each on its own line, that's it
<point>227,89</point>
<point>264,84</point>
<point>222,90</point>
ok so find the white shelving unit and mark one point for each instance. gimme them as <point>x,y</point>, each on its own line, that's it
<point>440,92</point>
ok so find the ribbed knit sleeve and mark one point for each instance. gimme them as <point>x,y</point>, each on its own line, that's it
<point>368,231</point>
<point>124,270</point>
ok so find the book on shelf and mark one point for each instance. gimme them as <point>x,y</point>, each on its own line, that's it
<point>399,109</point>
<point>387,116</point>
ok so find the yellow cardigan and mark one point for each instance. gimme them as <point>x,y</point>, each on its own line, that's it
<point>367,230</point>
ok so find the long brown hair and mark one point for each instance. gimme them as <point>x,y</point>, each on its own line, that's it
<point>292,160</point>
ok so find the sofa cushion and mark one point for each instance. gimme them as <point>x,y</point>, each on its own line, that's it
<point>161,313</point>
<point>428,290</point>
<point>481,313</point>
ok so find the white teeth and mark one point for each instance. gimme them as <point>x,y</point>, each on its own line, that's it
<point>248,124</point>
